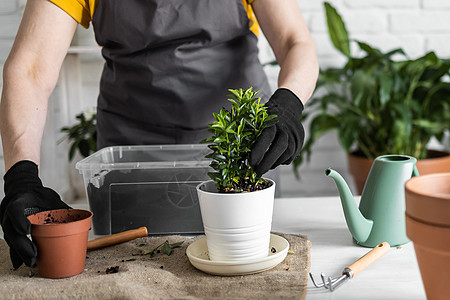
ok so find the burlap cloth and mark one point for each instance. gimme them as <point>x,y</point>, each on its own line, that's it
<point>160,277</point>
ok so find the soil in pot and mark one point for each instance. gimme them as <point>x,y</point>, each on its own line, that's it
<point>359,166</point>
<point>61,238</point>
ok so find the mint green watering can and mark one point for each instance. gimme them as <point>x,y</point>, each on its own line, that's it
<point>381,214</point>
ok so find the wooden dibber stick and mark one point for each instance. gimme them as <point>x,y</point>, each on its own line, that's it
<point>117,238</point>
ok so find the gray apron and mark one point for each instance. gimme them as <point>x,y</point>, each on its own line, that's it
<point>169,65</point>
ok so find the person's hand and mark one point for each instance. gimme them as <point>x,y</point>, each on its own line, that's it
<point>282,142</point>
<point>24,195</point>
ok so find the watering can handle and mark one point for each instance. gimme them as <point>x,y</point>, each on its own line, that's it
<point>369,258</point>
<point>415,171</point>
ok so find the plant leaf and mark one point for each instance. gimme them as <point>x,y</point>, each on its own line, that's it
<point>176,245</point>
<point>166,248</point>
<point>386,85</point>
<point>337,31</point>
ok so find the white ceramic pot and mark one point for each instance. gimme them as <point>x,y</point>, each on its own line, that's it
<point>237,225</point>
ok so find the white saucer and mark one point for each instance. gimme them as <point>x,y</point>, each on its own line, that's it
<point>197,253</point>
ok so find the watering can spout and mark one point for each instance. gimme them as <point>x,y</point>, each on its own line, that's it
<point>359,226</point>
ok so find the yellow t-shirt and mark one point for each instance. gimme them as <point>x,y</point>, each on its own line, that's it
<point>83,10</point>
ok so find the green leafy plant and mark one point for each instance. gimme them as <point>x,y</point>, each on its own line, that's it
<point>377,104</point>
<point>234,132</point>
<point>83,135</point>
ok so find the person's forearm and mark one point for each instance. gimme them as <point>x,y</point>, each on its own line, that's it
<point>299,70</point>
<point>23,111</point>
<point>286,31</point>
<point>29,76</point>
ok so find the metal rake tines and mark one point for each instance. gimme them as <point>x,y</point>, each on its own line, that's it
<point>329,283</point>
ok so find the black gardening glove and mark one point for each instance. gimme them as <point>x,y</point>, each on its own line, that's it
<point>282,142</point>
<point>24,195</point>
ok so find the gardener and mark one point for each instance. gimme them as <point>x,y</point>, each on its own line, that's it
<point>168,67</point>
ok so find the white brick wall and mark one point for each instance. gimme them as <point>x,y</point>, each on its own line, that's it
<point>417,26</point>
<point>436,4</point>
<point>384,4</point>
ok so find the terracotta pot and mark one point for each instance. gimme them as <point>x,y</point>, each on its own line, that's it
<point>428,198</point>
<point>61,238</point>
<point>359,167</point>
<point>432,247</point>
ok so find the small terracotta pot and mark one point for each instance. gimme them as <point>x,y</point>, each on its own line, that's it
<point>61,237</point>
<point>432,247</point>
<point>428,198</point>
<point>359,167</point>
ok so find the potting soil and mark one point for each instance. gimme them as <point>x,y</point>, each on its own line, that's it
<point>163,200</point>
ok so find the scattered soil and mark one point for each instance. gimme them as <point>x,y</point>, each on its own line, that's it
<point>112,270</point>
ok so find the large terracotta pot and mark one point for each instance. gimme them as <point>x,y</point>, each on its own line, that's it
<point>61,237</point>
<point>432,247</point>
<point>359,167</point>
<point>428,226</point>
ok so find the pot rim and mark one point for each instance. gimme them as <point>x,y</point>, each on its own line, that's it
<point>198,188</point>
<point>60,224</point>
<point>444,155</point>
<point>61,229</point>
<point>410,189</point>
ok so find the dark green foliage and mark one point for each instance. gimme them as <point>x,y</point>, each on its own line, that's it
<point>82,136</point>
<point>234,133</point>
<point>377,104</point>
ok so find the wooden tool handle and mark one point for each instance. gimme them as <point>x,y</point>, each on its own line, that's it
<point>117,238</point>
<point>369,258</point>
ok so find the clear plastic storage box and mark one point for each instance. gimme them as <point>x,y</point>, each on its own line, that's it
<point>132,186</point>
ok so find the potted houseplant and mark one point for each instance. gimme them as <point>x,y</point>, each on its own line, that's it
<point>237,204</point>
<point>82,140</point>
<point>82,136</point>
<point>380,105</point>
